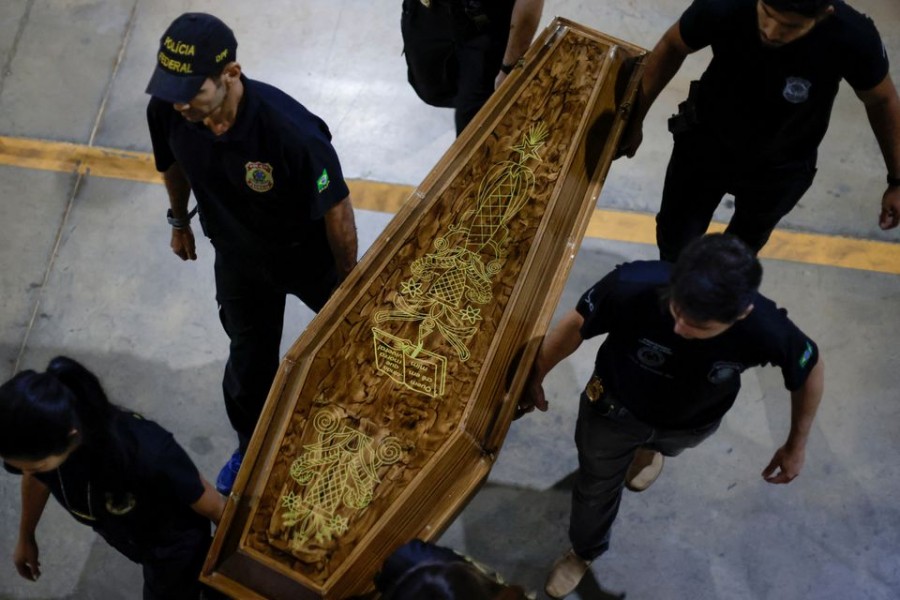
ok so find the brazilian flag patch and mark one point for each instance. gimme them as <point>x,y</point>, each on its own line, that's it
<point>807,354</point>
<point>323,181</point>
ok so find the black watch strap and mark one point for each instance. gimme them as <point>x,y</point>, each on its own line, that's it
<point>508,68</point>
<point>893,181</point>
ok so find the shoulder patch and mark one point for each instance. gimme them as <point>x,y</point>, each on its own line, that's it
<point>807,354</point>
<point>322,182</point>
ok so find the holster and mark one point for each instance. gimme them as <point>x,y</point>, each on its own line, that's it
<point>686,118</point>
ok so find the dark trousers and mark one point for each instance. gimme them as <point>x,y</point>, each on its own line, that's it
<point>251,308</point>
<point>701,172</point>
<point>448,68</point>
<point>606,444</point>
<point>171,572</point>
<point>171,563</point>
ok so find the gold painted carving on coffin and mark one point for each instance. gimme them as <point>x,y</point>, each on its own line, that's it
<point>339,471</point>
<point>446,287</point>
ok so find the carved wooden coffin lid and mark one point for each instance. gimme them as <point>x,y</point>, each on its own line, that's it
<point>387,413</point>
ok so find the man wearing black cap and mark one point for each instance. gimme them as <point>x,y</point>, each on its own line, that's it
<point>752,124</point>
<point>270,196</point>
<point>679,337</point>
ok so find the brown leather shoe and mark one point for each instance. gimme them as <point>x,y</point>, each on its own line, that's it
<point>567,571</point>
<point>645,467</point>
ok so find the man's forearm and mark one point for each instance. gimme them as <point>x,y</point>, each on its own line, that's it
<point>883,111</point>
<point>179,190</point>
<point>524,22</point>
<point>804,404</point>
<point>660,67</point>
<point>340,227</point>
<point>559,343</point>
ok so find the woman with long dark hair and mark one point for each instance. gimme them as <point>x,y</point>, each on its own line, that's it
<point>111,469</point>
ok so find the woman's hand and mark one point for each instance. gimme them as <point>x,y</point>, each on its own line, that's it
<point>26,558</point>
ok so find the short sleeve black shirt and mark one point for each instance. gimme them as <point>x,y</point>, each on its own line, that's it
<point>265,185</point>
<point>162,484</point>
<point>776,102</point>
<point>672,382</point>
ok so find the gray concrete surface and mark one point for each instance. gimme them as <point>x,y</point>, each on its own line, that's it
<point>85,270</point>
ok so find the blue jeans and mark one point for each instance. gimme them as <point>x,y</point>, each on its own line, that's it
<point>606,444</point>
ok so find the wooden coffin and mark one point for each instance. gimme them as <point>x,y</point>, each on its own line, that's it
<point>387,413</point>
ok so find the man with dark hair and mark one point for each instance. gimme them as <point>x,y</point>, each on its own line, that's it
<point>679,338</point>
<point>270,194</point>
<point>418,570</point>
<point>458,51</point>
<point>716,281</point>
<point>752,124</point>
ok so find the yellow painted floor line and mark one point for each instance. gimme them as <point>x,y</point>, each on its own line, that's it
<point>622,226</point>
<point>76,158</point>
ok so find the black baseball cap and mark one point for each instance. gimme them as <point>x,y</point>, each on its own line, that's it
<point>807,8</point>
<point>195,46</point>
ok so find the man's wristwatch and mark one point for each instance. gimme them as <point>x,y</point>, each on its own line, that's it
<point>508,68</point>
<point>893,181</point>
<point>180,222</point>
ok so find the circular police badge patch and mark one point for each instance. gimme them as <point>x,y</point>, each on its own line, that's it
<point>796,90</point>
<point>723,371</point>
<point>650,357</point>
<point>259,176</point>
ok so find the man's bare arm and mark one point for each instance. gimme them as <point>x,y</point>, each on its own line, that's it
<point>788,460</point>
<point>526,17</point>
<point>340,227</point>
<point>179,190</point>
<point>883,109</point>
<point>660,67</point>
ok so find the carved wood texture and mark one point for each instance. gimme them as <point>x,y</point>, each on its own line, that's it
<point>399,380</point>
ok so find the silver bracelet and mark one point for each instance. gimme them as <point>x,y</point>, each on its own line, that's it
<point>180,222</point>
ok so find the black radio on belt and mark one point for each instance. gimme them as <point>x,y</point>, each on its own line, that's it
<point>686,119</point>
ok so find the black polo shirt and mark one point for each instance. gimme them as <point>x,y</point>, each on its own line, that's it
<point>265,185</point>
<point>162,484</point>
<point>774,104</point>
<point>666,380</point>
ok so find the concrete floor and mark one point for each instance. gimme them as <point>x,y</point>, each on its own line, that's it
<point>86,271</point>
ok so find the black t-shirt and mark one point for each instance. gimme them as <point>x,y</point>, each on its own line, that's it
<point>264,186</point>
<point>666,380</point>
<point>774,104</point>
<point>162,483</point>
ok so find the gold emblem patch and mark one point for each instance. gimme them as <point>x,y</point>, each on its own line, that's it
<point>259,176</point>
